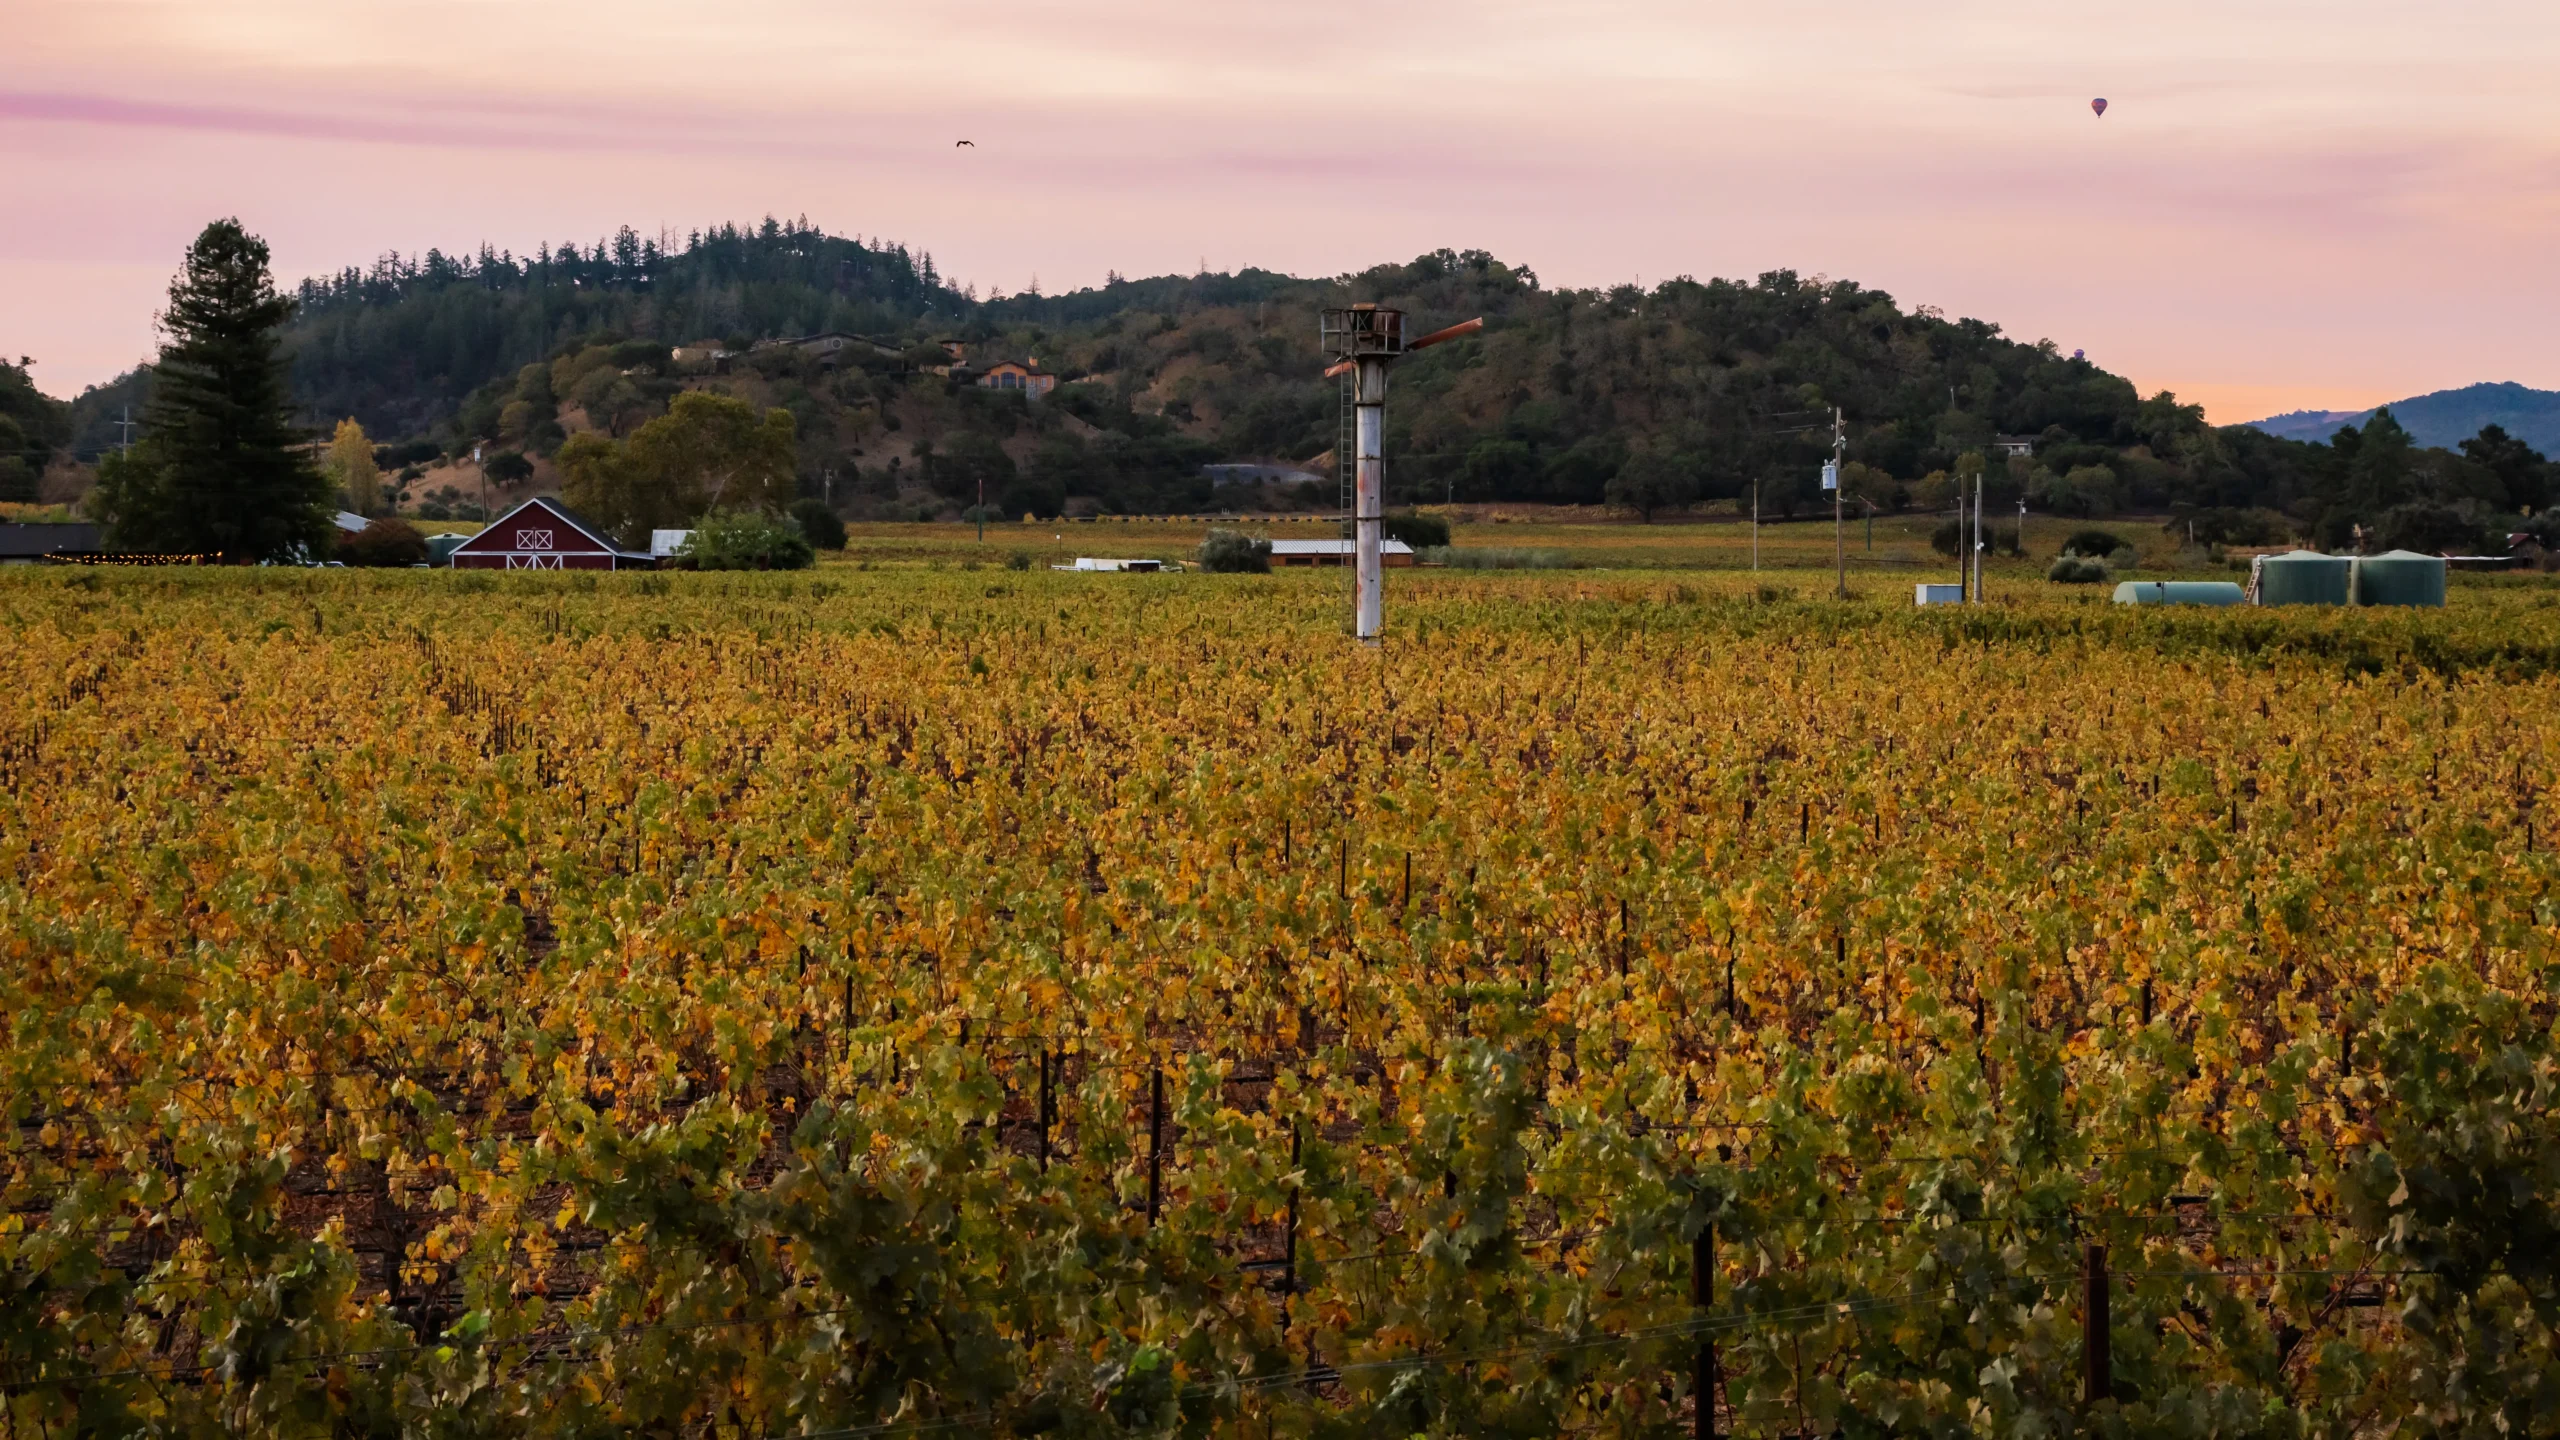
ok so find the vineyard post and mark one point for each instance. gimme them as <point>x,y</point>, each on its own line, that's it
<point>1155,1143</point>
<point>2093,1326</point>
<point>1048,1107</point>
<point>1289,1230</point>
<point>1702,1293</point>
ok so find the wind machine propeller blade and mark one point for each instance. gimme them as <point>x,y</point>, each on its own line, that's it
<point>1458,331</point>
<point>1461,329</point>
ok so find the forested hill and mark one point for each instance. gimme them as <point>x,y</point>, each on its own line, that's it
<point>1646,398</point>
<point>1717,382</point>
<point>401,345</point>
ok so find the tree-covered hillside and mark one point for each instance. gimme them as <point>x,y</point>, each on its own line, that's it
<point>32,425</point>
<point>1645,399</point>
<point>401,345</point>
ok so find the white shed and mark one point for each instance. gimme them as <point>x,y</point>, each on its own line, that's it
<point>1090,562</point>
<point>1336,552</point>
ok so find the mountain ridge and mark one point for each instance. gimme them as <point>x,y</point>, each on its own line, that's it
<point>2440,417</point>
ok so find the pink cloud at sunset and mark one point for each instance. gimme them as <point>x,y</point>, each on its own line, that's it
<point>2287,204</point>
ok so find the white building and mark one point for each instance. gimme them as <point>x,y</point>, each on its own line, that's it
<point>1391,553</point>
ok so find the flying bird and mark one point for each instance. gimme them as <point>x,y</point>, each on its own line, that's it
<point>2100,106</point>
<point>972,144</point>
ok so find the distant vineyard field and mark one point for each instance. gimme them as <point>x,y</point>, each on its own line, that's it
<point>926,1001</point>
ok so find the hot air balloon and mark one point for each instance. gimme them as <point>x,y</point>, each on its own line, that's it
<point>2100,106</point>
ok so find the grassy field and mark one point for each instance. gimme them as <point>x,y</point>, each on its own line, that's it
<point>924,1000</point>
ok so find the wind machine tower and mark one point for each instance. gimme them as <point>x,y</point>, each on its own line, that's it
<point>1361,341</point>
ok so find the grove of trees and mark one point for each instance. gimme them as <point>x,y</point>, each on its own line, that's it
<point>707,453</point>
<point>32,425</point>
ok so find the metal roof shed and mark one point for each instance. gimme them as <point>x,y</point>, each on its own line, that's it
<point>2178,592</point>
<point>2304,577</point>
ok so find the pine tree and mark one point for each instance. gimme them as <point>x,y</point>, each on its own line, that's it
<point>220,469</point>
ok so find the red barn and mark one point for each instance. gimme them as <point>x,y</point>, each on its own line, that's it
<point>543,534</point>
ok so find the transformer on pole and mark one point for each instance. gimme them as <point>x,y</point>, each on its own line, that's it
<point>1361,340</point>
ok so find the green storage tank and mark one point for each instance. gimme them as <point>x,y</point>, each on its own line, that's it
<point>2400,577</point>
<point>2305,577</point>
<point>440,548</point>
<point>2179,592</point>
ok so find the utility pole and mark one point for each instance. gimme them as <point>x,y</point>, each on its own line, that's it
<point>1831,482</point>
<point>1755,524</point>
<point>982,507</point>
<point>1978,546</point>
<point>126,425</point>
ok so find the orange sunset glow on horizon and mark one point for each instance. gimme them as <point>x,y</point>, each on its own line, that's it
<point>2282,205</point>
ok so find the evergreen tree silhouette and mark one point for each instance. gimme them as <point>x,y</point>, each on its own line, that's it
<point>220,468</point>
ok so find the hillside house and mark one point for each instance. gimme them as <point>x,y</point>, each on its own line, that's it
<point>1029,378</point>
<point>832,347</point>
<point>543,534</point>
<point>2019,446</point>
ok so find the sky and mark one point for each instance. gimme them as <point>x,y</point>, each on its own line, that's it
<point>2286,205</point>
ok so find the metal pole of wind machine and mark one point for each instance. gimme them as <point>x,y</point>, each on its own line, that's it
<point>1368,338</point>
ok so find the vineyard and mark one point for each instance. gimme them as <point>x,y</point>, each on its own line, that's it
<point>903,1002</point>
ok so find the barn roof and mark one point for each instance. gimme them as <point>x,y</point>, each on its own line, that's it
<point>498,536</point>
<point>19,542</point>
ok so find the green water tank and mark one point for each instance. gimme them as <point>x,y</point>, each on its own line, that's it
<point>2305,577</point>
<point>440,548</point>
<point>2400,577</point>
<point>2179,592</point>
